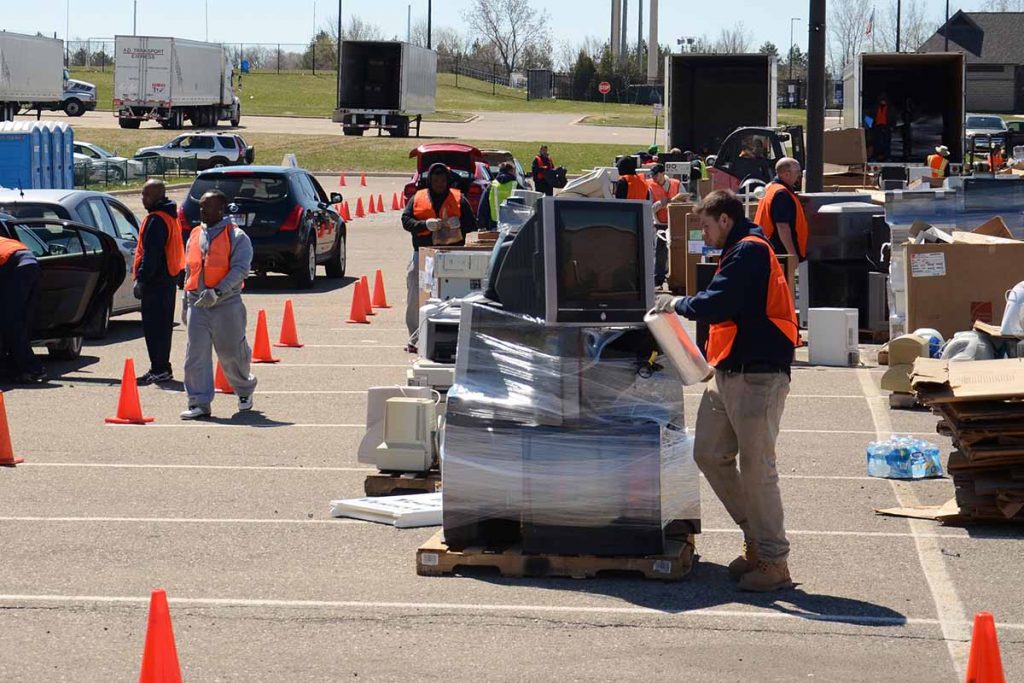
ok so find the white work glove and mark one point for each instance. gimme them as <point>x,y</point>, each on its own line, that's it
<point>666,303</point>
<point>434,224</point>
<point>207,298</point>
<point>454,223</point>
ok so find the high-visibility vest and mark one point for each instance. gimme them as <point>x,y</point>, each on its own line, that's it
<point>8,248</point>
<point>217,263</point>
<point>882,115</point>
<point>995,161</point>
<point>763,217</point>
<point>545,164</point>
<point>938,164</point>
<point>659,194</point>
<point>779,308</point>
<point>174,250</point>
<point>499,193</point>
<point>423,208</point>
<point>637,186</point>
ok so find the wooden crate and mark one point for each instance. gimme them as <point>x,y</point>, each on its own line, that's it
<point>434,558</point>
<point>401,485</point>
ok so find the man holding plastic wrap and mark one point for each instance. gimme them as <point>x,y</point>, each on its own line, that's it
<point>753,332</point>
<point>437,215</point>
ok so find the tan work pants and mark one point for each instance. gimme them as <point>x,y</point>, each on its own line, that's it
<point>740,414</point>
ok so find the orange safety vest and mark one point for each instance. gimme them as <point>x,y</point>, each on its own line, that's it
<point>659,194</point>
<point>779,308</point>
<point>938,164</point>
<point>423,208</point>
<point>174,250</point>
<point>995,161</point>
<point>763,217</point>
<point>217,263</point>
<point>8,248</point>
<point>882,115</point>
<point>637,186</point>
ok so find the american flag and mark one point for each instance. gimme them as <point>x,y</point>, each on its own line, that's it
<point>871,25</point>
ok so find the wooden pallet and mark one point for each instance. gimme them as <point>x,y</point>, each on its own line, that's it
<point>402,485</point>
<point>873,336</point>
<point>434,558</point>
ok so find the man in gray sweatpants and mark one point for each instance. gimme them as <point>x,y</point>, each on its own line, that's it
<point>218,258</point>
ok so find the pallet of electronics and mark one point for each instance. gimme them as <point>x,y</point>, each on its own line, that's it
<point>982,408</point>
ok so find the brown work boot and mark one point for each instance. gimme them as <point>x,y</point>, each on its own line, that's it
<point>767,576</point>
<point>745,562</point>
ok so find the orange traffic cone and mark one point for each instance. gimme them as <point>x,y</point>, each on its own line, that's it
<point>984,664</point>
<point>160,656</point>
<point>380,203</point>
<point>362,180</point>
<point>395,205</point>
<point>345,214</point>
<point>129,409</point>
<point>380,300</point>
<point>341,179</point>
<point>289,335</point>
<point>359,208</point>
<point>7,458</point>
<point>261,348</point>
<point>370,206</point>
<point>221,385</point>
<point>357,314</point>
<point>365,284</point>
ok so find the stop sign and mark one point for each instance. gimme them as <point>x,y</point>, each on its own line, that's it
<point>604,87</point>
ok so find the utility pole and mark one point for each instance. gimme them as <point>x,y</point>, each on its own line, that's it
<point>945,28</point>
<point>640,34</point>
<point>624,46</point>
<point>899,16</point>
<point>430,19</point>
<point>67,36</point>
<point>408,24</point>
<point>135,17</point>
<point>206,10</point>
<point>815,96</point>
<point>790,56</point>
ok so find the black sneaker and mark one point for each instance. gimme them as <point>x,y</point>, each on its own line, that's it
<point>145,379</point>
<point>161,377</point>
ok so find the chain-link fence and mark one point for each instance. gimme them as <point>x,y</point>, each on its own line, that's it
<point>110,173</point>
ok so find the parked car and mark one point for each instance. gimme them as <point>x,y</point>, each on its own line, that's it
<point>286,214</point>
<point>210,150</point>
<point>80,269</point>
<point>96,210</point>
<point>467,163</point>
<point>495,157</point>
<point>985,130</point>
<point>1014,135</point>
<point>107,167</point>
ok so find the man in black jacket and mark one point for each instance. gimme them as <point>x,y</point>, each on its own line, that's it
<point>159,259</point>
<point>435,215</point>
<point>753,333</point>
<point>541,171</point>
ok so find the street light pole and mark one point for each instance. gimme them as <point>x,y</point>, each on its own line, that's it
<point>815,95</point>
<point>899,15</point>
<point>790,57</point>
<point>206,10</point>
<point>135,17</point>
<point>430,18</point>
<point>945,28</point>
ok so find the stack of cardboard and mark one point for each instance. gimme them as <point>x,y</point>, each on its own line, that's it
<point>903,352</point>
<point>982,408</point>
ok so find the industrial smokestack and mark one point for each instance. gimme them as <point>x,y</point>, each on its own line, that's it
<point>624,41</point>
<point>652,44</point>
<point>616,28</point>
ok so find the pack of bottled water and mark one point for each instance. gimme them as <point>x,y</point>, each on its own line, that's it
<point>903,457</point>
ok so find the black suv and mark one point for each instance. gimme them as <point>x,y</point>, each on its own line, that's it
<point>286,213</point>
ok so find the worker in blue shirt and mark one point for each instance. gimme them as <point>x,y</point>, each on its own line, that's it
<point>753,334</point>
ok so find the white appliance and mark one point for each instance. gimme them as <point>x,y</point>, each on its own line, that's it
<point>594,184</point>
<point>410,431</point>
<point>678,169</point>
<point>529,197</point>
<point>1013,316</point>
<point>376,400</point>
<point>832,337</point>
<point>402,512</point>
<point>457,273</point>
<point>439,330</point>
<point>436,376</point>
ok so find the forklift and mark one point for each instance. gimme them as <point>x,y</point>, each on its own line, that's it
<point>746,159</point>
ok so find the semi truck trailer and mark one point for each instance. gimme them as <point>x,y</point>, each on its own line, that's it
<point>171,80</point>
<point>387,85</point>
<point>31,73</point>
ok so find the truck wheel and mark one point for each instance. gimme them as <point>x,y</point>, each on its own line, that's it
<point>402,130</point>
<point>73,107</point>
<point>66,349</point>
<point>304,274</point>
<point>335,267</point>
<point>351,130</point>
<point>131,124</point>
<point>176,121</point>
<point>236,118</point>
<point>213,117</point>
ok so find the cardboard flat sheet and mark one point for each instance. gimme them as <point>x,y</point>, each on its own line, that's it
<point>402,512</point>
<point>970,381</point>
<point>946,512</point>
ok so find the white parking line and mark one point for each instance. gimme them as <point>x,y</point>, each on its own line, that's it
<point>333,365</point>
<point>791,613</point>
<point>354,346</point>
<point>143,466</point>
<point>950,610</point>
<point>199,424</point>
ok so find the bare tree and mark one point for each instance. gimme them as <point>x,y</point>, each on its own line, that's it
<point>357,29</point>
<point>848,22</point>
<point>915,25</point>
<point>1004,5</point>
<point>733,41</point>
<point>511,26</point>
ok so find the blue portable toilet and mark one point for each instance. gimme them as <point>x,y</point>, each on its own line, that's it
<point>45,153</point>
<point>20,156</point>
<point>69,156</point>
<point>61,154</point>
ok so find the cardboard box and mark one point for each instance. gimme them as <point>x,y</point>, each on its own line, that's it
<point>845,147</point>
<point>994,227</point>
<point>950,286</point>
<point>945,381</point>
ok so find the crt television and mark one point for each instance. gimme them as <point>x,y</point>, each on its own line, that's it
<point>581,260</point>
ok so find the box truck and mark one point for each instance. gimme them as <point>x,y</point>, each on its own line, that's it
<point>707,97</point>
<point>387,85</point>
<point>31,72</point>
<point>169,80</point>
<point>926,105</point>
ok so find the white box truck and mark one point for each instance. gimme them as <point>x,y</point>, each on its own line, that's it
<point>31,72</point>
<point>386,85</point>
<point>169,80</point>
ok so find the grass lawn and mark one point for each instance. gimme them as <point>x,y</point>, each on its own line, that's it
<point>332,153</point>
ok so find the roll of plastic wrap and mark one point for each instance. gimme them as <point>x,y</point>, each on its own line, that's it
<point>677,345</point>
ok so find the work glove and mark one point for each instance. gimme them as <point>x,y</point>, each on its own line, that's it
<point>666,303</point>
<point>454,223</point>
<point>137,290</point>
<point>434,224</point>
<point>207,298</point>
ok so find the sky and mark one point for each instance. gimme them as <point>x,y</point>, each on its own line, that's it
<point>264,21</point>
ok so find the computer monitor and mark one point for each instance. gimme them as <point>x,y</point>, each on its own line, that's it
<point>582,261</point>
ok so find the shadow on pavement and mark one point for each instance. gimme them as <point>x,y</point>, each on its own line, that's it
<point>251,418</point>
<point>118,331</point>
<point>282,284</point>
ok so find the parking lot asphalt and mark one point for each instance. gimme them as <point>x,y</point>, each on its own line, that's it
<point>231,517</point>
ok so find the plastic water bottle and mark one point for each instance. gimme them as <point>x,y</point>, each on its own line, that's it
<point>903,457</point>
